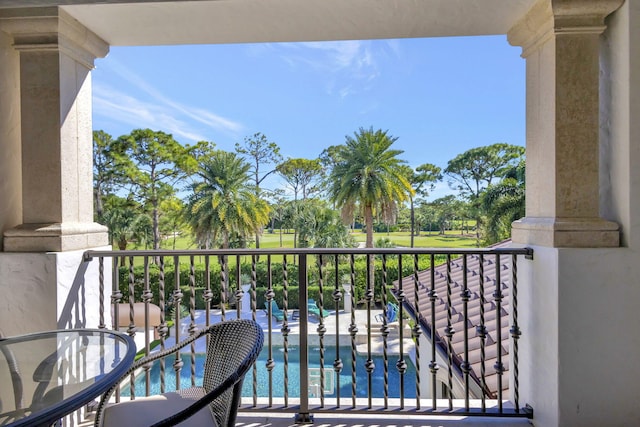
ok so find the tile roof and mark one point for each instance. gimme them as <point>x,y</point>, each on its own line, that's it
<point>497,326</point>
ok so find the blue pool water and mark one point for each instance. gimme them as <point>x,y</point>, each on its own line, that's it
<point>294,375</point>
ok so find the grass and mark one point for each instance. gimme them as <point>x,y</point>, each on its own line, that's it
<point>451,239</point>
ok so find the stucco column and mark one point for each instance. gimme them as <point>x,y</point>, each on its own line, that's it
<point>575,323</point>
<point>560,40</point>
<point>56,57</point>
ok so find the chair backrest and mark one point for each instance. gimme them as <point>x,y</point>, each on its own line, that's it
<point>392,312</point>
<point>274,306</point>
<point>233,347</point>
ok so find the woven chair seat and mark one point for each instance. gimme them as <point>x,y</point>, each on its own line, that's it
<point>148,410</point>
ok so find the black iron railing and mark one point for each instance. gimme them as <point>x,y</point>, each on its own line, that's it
<point>450,348</point>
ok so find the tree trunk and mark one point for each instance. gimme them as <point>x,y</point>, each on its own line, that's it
<point>99,206</point>
<point>368,219</point>
<point>368,216</point>
<point>156,225</point>
<point>413,220</point>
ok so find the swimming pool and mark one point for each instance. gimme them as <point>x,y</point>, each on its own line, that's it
<point>294,375</point>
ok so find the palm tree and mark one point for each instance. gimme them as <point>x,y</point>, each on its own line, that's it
<point>504,203</point>
<point>321,227</point>
<point>222,204</point>
<point>126,221</point>
<point>367,173</point>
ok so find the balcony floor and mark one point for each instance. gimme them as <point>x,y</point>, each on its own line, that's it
<point>360,420</point>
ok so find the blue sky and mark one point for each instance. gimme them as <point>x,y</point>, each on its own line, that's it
<point>438,96</point>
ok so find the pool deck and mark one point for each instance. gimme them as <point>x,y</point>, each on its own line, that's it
<point>343,320</point>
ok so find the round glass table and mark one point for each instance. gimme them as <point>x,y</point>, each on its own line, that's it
<point>48,375</point>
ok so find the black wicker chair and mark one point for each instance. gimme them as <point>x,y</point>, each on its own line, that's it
<point>232,349</point>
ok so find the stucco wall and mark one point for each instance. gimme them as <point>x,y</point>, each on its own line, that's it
<point>599,341</point>
<point>10,158</point>
<point>44,291</point>
<point>619,126</point>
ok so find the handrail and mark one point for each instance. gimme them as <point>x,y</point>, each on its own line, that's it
<point>526,251</point>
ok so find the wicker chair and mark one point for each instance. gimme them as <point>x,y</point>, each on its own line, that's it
<point>232,349</point>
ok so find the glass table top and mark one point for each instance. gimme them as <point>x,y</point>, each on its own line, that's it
<point>48,375</point>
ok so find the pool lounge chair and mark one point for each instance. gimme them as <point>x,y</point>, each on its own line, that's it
<point>313,309</point>
<point>276,312</point>
<point>390,312</point>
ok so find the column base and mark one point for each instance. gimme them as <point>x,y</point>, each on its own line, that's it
<point>56,237</point>
<point>566,232</point>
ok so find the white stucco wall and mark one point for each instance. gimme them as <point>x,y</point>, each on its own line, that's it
<point>619,127</point>
<point>40,292</point>
<point>10,158</point>
<point>599,340</point>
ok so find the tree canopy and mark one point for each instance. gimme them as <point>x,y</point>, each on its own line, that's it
<point>222,205</point>
<point>157,162</point>
<point>475,169</point>
<point>140,181</point>
<point>367,174</point>
<point>300,174</point>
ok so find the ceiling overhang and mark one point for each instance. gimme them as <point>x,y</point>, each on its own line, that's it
<point>146,23</point>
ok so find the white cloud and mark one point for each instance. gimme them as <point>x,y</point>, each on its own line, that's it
<point>157,109</point>
<point>347,65</point>
<point>124,108</point>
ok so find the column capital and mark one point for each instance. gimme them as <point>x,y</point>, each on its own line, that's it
<point>553,17</point>
<point>51,28</point>
<point>566,232</point>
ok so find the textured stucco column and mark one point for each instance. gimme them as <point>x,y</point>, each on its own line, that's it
<point>560,41</point>
<point>577,325</point>
<point>56,56</point>
<point>10,167</point>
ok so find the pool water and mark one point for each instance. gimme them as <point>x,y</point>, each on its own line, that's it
<point>294,375</point>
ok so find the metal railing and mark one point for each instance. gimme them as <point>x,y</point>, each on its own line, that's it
<point>452,348</point>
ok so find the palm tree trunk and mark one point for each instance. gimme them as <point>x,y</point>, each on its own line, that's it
<point>368,215</point>
<point>368,219</point>
<point>413,219</point>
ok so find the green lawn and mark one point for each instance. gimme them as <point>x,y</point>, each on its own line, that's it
<point>452,239</point>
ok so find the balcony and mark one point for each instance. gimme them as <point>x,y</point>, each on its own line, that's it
<point>398,366</point>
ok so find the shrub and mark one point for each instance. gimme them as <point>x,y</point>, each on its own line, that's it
<point>277,280</point>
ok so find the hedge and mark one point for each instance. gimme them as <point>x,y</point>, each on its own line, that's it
<point>277,280</point>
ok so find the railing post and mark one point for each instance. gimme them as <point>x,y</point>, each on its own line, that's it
<point>303,416</point>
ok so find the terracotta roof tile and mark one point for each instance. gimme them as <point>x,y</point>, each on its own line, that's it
<point>473,319</point>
